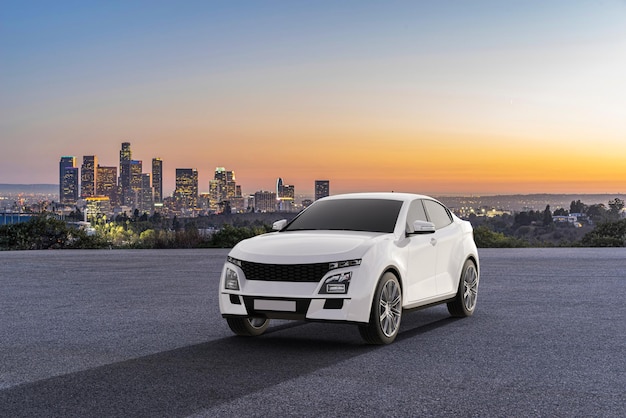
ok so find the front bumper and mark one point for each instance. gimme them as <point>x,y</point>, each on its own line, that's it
<point>294,300</point>
<point>322,309</point>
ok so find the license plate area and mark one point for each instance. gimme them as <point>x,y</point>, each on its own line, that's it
<point>275,305</point>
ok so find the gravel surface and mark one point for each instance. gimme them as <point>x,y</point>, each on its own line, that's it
<point>138,333</point>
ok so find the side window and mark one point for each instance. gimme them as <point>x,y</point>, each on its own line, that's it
<point>416,213</point>
<point>438,214</point>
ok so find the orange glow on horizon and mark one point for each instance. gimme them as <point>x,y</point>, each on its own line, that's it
<point>427,164</point>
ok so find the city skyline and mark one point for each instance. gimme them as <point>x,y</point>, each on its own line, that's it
<point>445,98</point>
<point>156,173</point>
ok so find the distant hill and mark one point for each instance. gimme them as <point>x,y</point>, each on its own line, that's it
<point>29,188</point>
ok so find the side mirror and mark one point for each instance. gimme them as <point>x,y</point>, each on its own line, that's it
<point>278,225</point>
<point>423,227</point>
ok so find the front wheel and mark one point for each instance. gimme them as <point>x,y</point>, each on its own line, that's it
<point>465,301</point>
<point>248,326</point>
<point>386,312</point>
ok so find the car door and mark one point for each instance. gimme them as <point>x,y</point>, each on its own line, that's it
<point>445,237</point>
<point>421,280</point>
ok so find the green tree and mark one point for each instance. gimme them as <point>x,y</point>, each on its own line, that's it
<point>547,216</point>
<point>486,238</point>
<point>607,234</point>
<point>597,212</point>
<point>577,207</point>
<point>615,206</point>
<point>560,212</point>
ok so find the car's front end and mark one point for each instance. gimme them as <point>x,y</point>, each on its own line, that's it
<point>315,276</point>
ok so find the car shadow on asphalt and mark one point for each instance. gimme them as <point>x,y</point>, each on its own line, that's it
<point>195,378</point>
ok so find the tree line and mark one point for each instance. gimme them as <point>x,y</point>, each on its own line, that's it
<point>603,228</point>
<point>597,225</point>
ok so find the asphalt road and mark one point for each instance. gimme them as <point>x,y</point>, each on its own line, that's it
<point>138,333</point>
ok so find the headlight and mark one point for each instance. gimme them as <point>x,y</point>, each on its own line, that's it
<point>337,283</point>
<point>231,280</point>
<point>346,263</point>
<point>233,261</point>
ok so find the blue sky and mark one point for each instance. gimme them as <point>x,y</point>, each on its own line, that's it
<point>205,84</point>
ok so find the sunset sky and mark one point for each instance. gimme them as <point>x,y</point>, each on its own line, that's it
<point>437,97</point>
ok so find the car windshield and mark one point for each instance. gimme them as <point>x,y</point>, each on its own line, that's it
<point>373,215</point>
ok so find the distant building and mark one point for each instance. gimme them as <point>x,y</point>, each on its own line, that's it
<point>215,195</point>
<point>223,188</point>
<point>186,193</point>
<point>322,189</point>
<point>146,196</point>
<point>97,205</point>
<point>126,195</point>
<point>157,179</point>
<point>136,183</point>
<point>567,219</point>
<point>68,181</point>
<point>285,194</point>
<point>88,176</point>
<point>11,218</point>
<point>265,201</point>
<point>107,184</point>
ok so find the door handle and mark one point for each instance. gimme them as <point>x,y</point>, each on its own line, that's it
<point>433,242</point>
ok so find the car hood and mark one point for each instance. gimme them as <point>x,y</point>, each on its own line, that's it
<point>305,246</point>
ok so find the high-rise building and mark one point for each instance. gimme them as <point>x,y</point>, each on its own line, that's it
<point>186,193</point>
<point>322,189</point>
<point>136,182</point>
<point>125,174</point>
<point>68,180</point>
<point>88,176</point>
<point>107,183</point>
<point>224,175</point>
<point>215,195</point>
<point>285,194</point>
<point>65,162</point>
<point>146,194</point>
<point>157,179</point>
<point>222,188</point>
<point>265,201</point>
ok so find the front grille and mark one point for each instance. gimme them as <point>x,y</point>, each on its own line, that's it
<point>284,272</point>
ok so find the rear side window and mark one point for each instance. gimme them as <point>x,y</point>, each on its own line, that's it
<point>438,214</point>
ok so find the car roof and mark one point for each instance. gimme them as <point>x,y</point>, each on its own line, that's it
<point>380,195</point>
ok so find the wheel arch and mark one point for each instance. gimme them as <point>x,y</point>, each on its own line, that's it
<point>396,272</point>
<point>474,259</point>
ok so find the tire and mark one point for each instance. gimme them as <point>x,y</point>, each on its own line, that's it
<point>386,312</point>
<point>248,326</point>
<point>464,302</point>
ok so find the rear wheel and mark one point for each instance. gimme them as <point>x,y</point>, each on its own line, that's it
<point>465,301</point>
<point>386,312</point>
<point>248,326</point>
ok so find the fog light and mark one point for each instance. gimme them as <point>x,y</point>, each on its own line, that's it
<point>337,283</point>
<point>231,282</point>
<point>336,288</point>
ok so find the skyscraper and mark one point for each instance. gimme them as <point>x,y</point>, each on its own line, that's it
<point>222,188</point>
<point>68,185</point>
<point>125,175</point>
<point>136,170</point>
<point>285,194</point>
<point>264,201</point>
<point>107,184</point>
<point>157,179</point>
<point>146,194</point>
<point>186,193</point>
<point>322,189</point>
<point>88,176</point>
